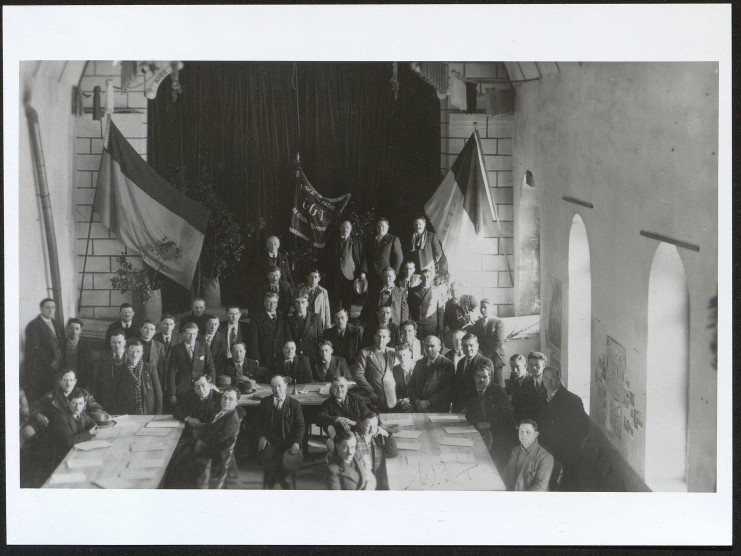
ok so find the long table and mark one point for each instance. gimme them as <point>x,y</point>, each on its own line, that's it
<point>307,394</point>
<point>434,466</point>
<point>119,466</point>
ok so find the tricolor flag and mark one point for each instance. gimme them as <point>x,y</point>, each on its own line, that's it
<point>459,207</point>
<point>138,205</point>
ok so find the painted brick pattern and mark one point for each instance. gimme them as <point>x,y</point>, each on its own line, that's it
<point>98,299</point>
<point>484,273</point>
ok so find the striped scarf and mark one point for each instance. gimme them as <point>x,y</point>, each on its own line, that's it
<point>136,373</point>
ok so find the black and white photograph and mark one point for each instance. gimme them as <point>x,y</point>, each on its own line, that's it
<point>242,258</point>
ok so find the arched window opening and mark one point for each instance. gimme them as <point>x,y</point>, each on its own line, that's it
<point>667,372</point>
<point>579,363</point>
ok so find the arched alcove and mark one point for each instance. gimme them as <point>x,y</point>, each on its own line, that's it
<point>579,363</point>
<point>667,372</point>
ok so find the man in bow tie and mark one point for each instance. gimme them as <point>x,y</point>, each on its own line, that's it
<point>188,360</point>
<point>125,323</point>
<point>384,251</point>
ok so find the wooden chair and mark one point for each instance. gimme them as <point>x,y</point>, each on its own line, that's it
<point>556,476</point>
<point>220,471</point>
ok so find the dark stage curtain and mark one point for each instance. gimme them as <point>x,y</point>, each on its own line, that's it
<point>239,126</point>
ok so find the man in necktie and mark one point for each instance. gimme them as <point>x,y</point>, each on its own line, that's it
<point>233,328</point>
<point>536,362</point>
<point>432,379</point>
<point>329,366</point>
<point>280,424</point>
<point>215,340</point>
<point>188,360</point>
<point>408,279</point>
<point>270,257</point>
<point>70,426</point>
<point>240,368</point>
<point>125,323</point>
<point>77,353</point>
<point>306,329</point>
<point>294,367</point>
<point>408,335</point>
<point>456,354</point>
<point>374,372</point>
<point>277,285</point>
<point>521,389</point>
<point>464,388</point>
<point>343,409</point>
<point>345,337</point>
<point>108,372</point>
<point>388,295</point>
<point>345,263</point>
<point>403,372</point>
<point>384,251</point>
<point>427,250</point>
<point>167,335</point>
<point>154,351</point>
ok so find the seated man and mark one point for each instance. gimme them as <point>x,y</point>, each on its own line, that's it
<point>521,389</point>
<point>329,366</point>
<point>536,363</point>
<point>343,409</point>
<point>432,380</point>
<point>69,427</point>
<point>293,367</point>
<point>198,406</point>
<point>403,372</point>
<point>212,443</point>
<point>530,465</point>
<point>465,388</point>
<point>346,470</point>
<point>280,424</point>
<point>345,337</point>
<point>491,413</point>
<point>188,360</point>
<point>374,372</point>
<point>272,283</point>
<point>374,444</point>
<point>139,391</point>
<point>240,368</point>
<point>42,411</point>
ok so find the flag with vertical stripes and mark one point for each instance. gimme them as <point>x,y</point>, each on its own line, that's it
<point>143,209</point>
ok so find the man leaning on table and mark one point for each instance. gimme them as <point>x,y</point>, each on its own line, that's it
<point>530,465</point>
<point>343,410</point>
<point>69,427</point>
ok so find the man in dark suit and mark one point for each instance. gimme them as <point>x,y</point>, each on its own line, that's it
<point>154,351</point>
<point>427,251</point>
<point>240,368</point>
<point>292,366</point>
<point>345,337</point>
<point>491,413</point>
<point>387,294</point>
<point>280,424</point>
<point>426,306</point>
<point>69,427</point>
<point>384,251</point>
<point>42,356</point>
<point>408,278</point>
<point>432,380</point>
<point>188,360</point>
<point>454,317</point>
<point>465,388</point>
<point>329,366</point>
<point>197,315</point>
<point>267,333</point>
<point>536,363</point>
<point>563,424</point>
<point>456,353</point>
<point>42,411</point>
<point>346,469</point>
<point>343,410</point>
<point>383,320</point>
<point>139,391</point>
<point>108,371</point>
<point>270,257</point>
<point>374,372</point>
<point>125,323</point>
<point>403,373</point>
<point>490,332</point>
<point>306,328</point>
<point>273,283</point>
<point>76,353</point>
<point>375,445</point>
<point>168,336</point>
<point>214,339</point>
<point>198,406</point>
<point>345,263</point>
<point>234,328</point>
<point>521,390</point>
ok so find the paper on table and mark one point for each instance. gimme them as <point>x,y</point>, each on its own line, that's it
<point>453,417</point>
<point>312,388</point>
<point>82,463</point>
<point>457,458</point>
<point>163,424</point>
<point>145,447</point>
<point>152,432</point>
<point>136,474</point>
<point>113,482</point>
<point>91,445</point>
<point>324,391</point>
<point>402,422</point>
<point>67,478</point>
<point>452,441</point>
<point>144,463</point>
<point>407,446</point>
<point>407,434</point>
<point>459,430</point>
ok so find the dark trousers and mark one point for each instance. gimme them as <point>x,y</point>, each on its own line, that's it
<point>271,459</point>
<point>342,294</point>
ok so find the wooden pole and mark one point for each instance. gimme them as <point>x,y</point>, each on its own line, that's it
<point>43,191</point>
<point>492,206</point>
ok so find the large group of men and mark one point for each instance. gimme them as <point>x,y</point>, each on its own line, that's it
<point>391,358</point>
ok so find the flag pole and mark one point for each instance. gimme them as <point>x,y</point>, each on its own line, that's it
<point>492,206</point>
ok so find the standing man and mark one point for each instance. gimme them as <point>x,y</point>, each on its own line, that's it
<point>77,354</point>
<point>387,295</point>
<point>432,380</point>
<point>168,336</point>
<point>271,257</point>
<point>198,406</point>
<point>329,366</point>
<point>384,251</point>
<point>465,389</point>
<point>42,356</point>
<point>521,389</point>
<point>408,335</point>
<point>455,318</point>
<point>317,298</point>
<point>306,328</point>
<point>268,332</point>
<point>536,363</point>
<point>197,315</point>
<point>215,340</point>
<point>281,427</point>
<point>427,251</point>
<point>374,372</point>
<point>426,306</point>
<point>108,372</point>
<point>154,351</point>
<point>125,323</point>
<point>293,367</point>
<point>490,332</point>
<point>408,279</point>
<point>456,354</point>
<point>273,283</point>
<point>139,391</point>
<point>233,328</point>
<point>383,321</point>
<point>188,360</point>
<point>346,263</point>
<point>345,337</point>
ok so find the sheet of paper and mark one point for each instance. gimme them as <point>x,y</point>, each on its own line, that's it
<point>408,446</point>
<point>83,463</point>
<point>401,422</point>
<point>407,434</point>
<point>457,458</point>
<point>144,463</point>
<point>126,419</point>
<point>324,390</point>
<point>145,447</point>
<point>92,445</point>
<point>113,482</point>
<point>163,424</point>
<point>312,388</point>
<point>453,441</point>
<point>459,430</point>
<point>447,418</point>
<point>67,478</point>
<point>137,474</point>
<point>111,432</point>
<point>153,432</point>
